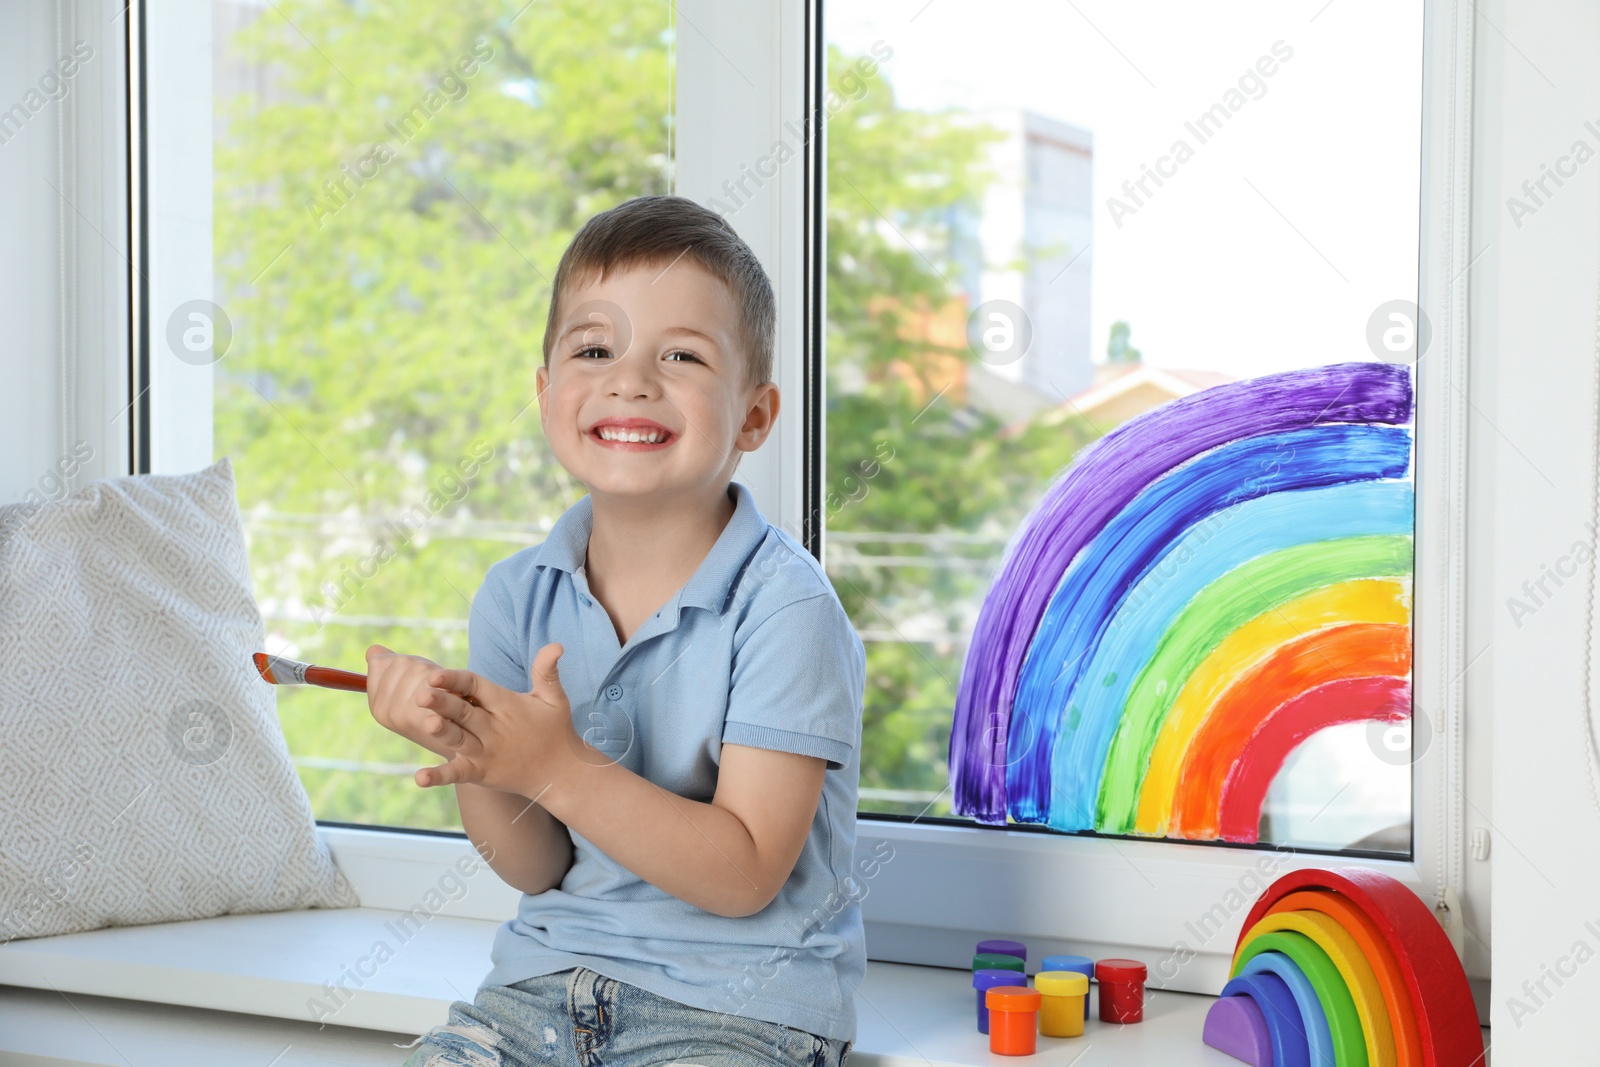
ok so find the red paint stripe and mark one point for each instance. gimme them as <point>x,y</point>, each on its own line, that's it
<point>1351,651</point>
<point>1343,701</point>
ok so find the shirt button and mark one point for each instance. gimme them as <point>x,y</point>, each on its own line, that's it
<point>614,691</point>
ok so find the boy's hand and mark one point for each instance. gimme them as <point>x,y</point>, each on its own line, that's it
<point>398,697</point>
<point>516,742</point>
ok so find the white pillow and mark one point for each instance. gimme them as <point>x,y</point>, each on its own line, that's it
<point>145,777</point>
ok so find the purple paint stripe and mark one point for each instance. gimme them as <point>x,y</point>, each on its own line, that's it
<point>1103,479</point>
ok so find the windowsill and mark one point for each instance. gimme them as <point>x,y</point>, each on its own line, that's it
<point>271,965</point>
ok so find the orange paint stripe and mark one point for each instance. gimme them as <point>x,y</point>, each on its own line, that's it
<point>1354,651</point>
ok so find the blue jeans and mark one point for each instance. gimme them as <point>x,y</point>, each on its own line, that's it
<point>579,1018</point>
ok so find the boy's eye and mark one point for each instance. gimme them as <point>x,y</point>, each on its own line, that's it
<point>681,352</point>
<point>580,353</point>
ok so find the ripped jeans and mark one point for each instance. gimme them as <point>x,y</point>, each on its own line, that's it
<point>579,1018</point>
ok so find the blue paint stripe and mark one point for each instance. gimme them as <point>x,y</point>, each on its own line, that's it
<point>1138,538</point>
<point>1253,529</point>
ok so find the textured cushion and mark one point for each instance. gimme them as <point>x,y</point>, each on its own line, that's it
<point>145,776</point>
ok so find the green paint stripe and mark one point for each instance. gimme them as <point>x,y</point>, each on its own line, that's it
<point>1264,583</point>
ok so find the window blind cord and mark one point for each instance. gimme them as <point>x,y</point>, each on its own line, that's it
<point>1591,746</point>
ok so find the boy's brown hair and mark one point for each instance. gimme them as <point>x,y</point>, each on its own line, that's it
<point>658,229</point>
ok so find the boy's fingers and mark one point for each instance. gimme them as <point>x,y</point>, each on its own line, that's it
<point>457,770</point>
<point>447,703</point>
<point>447,733</point>
<point>546,679</point>
<point>458,717</point>
<point>473,688</point>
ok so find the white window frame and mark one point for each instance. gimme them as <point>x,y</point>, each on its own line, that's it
<point>66,281</point>
<point>745,82</point>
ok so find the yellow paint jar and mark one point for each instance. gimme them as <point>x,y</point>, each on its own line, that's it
<point>1062,995</point>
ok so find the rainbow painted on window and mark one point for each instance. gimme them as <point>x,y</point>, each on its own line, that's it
<point>1203,589</point>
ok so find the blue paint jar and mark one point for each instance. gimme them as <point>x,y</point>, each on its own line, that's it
<point>985,980</point>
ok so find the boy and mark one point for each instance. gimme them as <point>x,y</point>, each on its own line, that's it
<point>676,795</point>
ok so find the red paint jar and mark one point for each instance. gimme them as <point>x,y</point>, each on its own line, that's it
<point>1013,1019</point>
<point>1121,990</point>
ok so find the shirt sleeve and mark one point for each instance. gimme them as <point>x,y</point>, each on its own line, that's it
<point>799,680</point>
<point>492,644</point>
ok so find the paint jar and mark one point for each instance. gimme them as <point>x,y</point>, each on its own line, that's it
<point>1121,990</point>
<point>983,981</point>
<point>998,961</point>
<point>1013,1020</point>
<point>1064,997</point>
<point>1005,948</point>
<point>1082,964</point>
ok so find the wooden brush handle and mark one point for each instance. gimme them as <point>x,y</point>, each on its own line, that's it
<point>332,678</point>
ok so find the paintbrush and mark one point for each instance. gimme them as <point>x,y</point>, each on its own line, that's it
<point>280,671</point>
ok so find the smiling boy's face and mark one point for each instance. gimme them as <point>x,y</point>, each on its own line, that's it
<point>652,350</point>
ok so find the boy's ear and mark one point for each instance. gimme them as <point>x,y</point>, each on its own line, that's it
<point>541,380</point>
<point>759,417</point>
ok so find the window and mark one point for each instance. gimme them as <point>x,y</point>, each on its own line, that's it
<point>906,457</point>
<point>392,190</point>
<point>1047,223</point>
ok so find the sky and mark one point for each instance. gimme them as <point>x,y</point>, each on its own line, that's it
<point>1269,248</point>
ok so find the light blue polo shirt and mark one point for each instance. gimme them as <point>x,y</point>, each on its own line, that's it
<point>756,650</point>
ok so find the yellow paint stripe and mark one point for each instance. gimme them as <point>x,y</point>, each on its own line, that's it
<point>1376,600</point>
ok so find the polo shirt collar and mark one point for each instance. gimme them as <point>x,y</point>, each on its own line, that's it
<point>747,528</point>
<point>568,541</point>
<point>568,544</point>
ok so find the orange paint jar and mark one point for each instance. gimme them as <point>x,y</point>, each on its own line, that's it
<point>1013,1020</point>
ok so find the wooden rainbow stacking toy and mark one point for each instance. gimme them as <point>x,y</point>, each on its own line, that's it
<point>1345,969</point>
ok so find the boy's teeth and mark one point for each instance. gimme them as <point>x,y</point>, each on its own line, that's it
<point>652,436</point>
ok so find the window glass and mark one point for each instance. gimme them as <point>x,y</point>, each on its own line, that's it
<point>1121,357</point>
<point>394,186</point>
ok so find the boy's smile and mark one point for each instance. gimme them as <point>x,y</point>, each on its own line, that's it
<point>647,396</point>
<point>632,435</point>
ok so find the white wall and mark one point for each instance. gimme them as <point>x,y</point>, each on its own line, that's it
<point>1534,331</point>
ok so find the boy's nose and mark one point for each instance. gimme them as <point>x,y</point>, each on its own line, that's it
<point>630,376</point>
